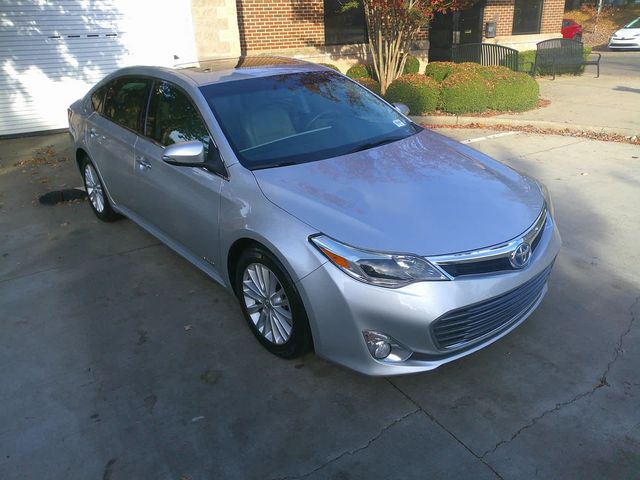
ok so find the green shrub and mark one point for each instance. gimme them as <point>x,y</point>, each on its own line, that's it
<point>511,91</point>
<point>418,92</point>
<point>526,60</point>
<point>465,91</point>
<point>439,70</point>
<point>493,71</point>
<point>369,83</point>
<point>330,65</point>
<point>585,55</point>
<point>359,70</point>
<point>411,65</point>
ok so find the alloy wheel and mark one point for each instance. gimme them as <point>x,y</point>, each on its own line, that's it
<point>267,303</point>
<point>94,188</point>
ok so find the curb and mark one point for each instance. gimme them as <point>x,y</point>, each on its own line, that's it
<point>543,124</point>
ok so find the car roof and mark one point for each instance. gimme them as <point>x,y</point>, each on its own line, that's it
<point>205,72</point>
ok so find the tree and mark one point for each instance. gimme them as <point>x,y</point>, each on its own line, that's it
<point>393,25</point>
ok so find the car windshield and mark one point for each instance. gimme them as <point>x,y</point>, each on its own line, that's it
<point>634,24</point>
<point>302,117</point>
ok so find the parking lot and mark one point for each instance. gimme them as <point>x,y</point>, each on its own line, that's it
<point>120,360</point>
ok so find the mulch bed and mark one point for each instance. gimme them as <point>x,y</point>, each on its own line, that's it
<point>605,137</point>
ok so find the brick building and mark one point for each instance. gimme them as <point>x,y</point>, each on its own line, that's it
<point>50,45</point>
<point>317,30</point>
<point>521,23</point>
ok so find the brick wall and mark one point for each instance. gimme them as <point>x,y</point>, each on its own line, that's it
<point>279,24</point>
<point>552,15</point>
<point>501,11</point>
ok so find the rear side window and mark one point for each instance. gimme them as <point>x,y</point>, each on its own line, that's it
<point>124,102</point>
<point>97,99</point>
<point>173,118</point>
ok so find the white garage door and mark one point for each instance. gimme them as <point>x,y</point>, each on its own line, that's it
<point>53,51</point>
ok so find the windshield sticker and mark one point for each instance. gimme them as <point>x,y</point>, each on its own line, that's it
<point>399,122</point>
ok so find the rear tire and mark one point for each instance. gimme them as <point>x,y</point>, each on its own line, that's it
<point>98,199</point>
<point>271,304</point>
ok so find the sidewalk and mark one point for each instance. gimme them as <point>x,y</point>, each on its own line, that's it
<point>609,104</point>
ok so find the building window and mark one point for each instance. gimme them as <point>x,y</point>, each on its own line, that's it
<point>527,16</point>
<point>342,28</point>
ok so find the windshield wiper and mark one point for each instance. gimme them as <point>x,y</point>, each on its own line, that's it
<point>367,146</point>
<point>274,165</point>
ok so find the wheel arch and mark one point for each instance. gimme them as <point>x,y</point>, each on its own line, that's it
<point>246,242</point>
<point>248,239</point>
<point>81,153</point>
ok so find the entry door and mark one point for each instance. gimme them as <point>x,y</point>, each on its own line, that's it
<point>454,28</point>
<point>470,24</point>
<point>441,37</point>
<point>180,203</point>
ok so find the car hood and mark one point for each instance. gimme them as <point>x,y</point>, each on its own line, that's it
<point>627,32</point>
<point>425,195</point>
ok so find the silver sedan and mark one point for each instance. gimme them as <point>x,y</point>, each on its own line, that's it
<point>338,223</point>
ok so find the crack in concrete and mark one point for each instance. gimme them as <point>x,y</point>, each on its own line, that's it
<point>108,469</point>
<point>451,434</point>
<point>350,452</point>
<point>74,265</point>
<point>602,382</point>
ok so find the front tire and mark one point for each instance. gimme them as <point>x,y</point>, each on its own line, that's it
<point>271,304</point>
<point>96,192</point>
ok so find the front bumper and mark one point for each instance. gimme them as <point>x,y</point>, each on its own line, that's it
<point>341,308</point>
<point>630,44</point>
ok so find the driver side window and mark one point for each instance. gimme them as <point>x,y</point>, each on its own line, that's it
<point>173,118</point>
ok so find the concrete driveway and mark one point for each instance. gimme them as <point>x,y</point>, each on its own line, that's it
<point>609,104</point>
<point>620,63</point>
<point>119,360</point>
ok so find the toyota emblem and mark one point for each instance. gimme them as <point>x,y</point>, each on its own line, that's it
<point>520,256</point>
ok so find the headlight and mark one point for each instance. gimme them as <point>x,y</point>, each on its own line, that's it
<point>382,269</point>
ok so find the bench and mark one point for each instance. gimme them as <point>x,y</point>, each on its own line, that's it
<point>561,52</point>
<point>485,54</point>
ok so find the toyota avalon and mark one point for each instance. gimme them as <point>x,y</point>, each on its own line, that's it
<point>339,224</point>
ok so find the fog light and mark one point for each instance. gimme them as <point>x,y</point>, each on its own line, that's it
<point>384,347</point>
<point>381,349</point>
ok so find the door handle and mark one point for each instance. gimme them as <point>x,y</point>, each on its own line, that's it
<point>143,163</point>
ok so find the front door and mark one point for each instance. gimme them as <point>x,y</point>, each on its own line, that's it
<point>448,29</point>
<point>470,24</point>
<point>176,202</point>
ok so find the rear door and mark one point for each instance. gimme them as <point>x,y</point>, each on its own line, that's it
<point>113,131</point>
<point>180,202</point>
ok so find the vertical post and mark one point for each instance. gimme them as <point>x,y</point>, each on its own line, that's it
<point>595,27</point>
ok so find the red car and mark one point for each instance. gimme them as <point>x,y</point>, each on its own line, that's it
<point>571,29</point>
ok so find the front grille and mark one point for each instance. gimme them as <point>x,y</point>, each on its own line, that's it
<point>465,325</point>
<point>456,268</point>
<point>477,268</point>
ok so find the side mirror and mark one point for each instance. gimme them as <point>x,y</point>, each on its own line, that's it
<point>191,154</point>
<point>401,107</point>
<point>185,154</point>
